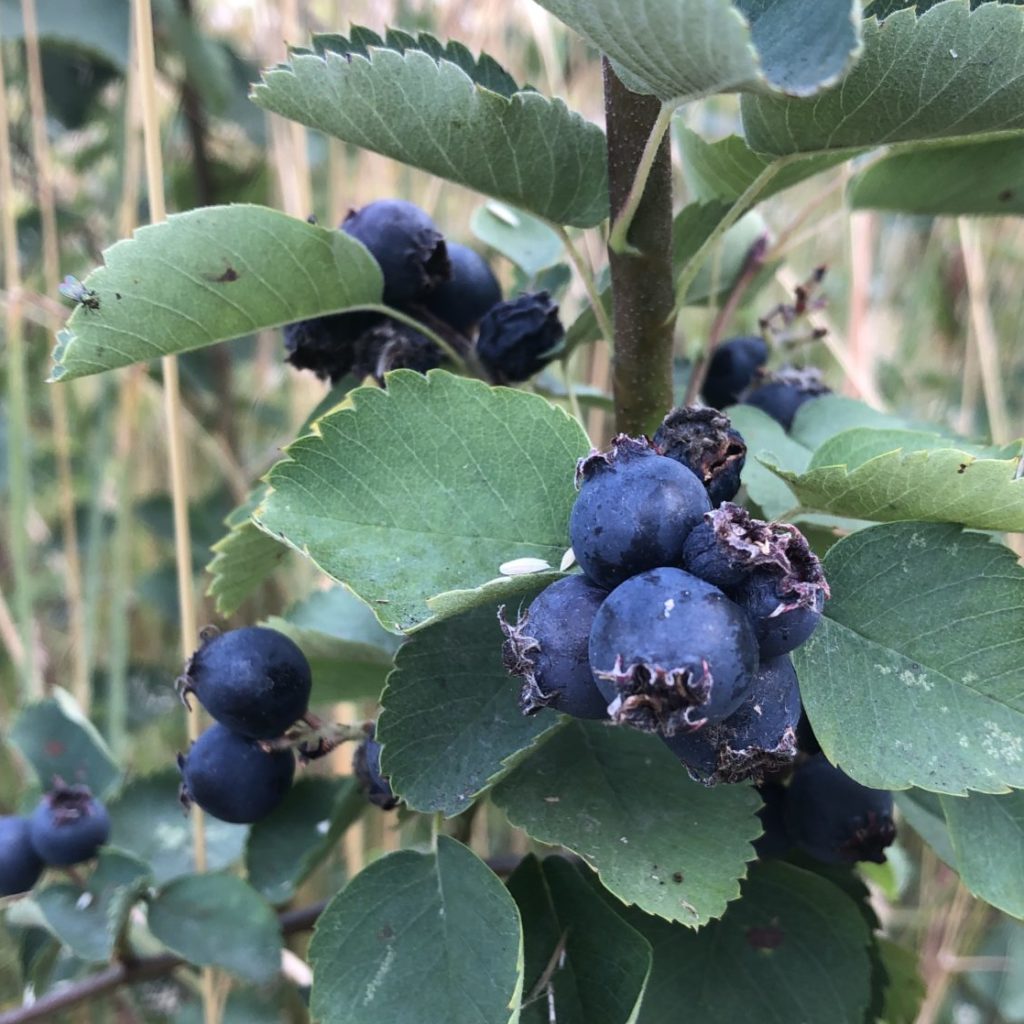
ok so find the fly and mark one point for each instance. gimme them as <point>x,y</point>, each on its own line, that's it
<point>73,289</point>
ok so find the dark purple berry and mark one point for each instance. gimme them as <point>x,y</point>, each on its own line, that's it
<point>68,826</point>
<point>234,778</point>
<point>20,865</point>
<point>366,767</point>
<point>757,739</point>
<point>633,512</point>
<point>548,648</point>
<point>732,370</point>
<point>703,441</point>
<point>327,345</point>
<point>671,653</point>
<point>775,841</point>
<point>835,819</point>
<point>784,606</point>
<point>806,741</point>
<point>468,294</point>
<point>519,337</point>
<point>780,394</point>
<point>392,345</point>
<point>253,680</point>
<point>406,244</point>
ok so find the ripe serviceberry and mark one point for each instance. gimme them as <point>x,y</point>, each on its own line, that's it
<point>703,441</point>
<point>519,337</point>
<point>366,767</point>
<point>20,864</point>
<point>732,370</point>
<point>548,648</point>
<point>253,680</point>
<point>781,394</point>
<point>468,294</point>
<point>234,778</point>
<point>671,653</point>
<point>633,511</point>
<point>835,819</point>
<point>68,826</point>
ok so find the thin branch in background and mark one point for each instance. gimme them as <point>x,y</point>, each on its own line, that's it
<point>19,470</point>
<point>81,686</point>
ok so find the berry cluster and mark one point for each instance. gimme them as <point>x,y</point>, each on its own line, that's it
<point>67,827</point>
<point>686,612</point>
<point>255,683</point>
<point>445,286</point>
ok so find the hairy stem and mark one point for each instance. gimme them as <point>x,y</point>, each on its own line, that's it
<point>642,276</point>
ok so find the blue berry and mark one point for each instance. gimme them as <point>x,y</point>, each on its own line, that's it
<point>671,653</point>
<point>519,337</point>
<point>254,680</point>
<point>468,294</point>
<point>732,370</point>
<point>785,607</point>
<point>757,739</point>
<point>633,511</point>
<point>405,243</point>
<point>548,648</point>
<point>20,865</point>
<point>68,826</point>
<point>781,394</point>
<point>703,441</point>
<point>366,767</point>
<point>234,778</point>
<point>835,819</point>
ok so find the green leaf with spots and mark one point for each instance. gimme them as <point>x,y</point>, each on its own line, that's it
<point>602,792</point>
<point>209,275</point>
<point>413,103</point>
<point>439,925</point>
<point>913,677</point>
<point>427,487</point>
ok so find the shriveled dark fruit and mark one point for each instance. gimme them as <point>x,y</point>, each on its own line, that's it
<point>732,370</point>
<point>254,680</point>
<point>633,511</point>
<point>394,346</point>
<point>671,653</point>
<point>469,293</point>
<point>234,778</point>
<point>20,865</point>
<point>775,841</point>
<point>519,337</point>
<point>704,441</point>
<point>366,767</point>
<point>784,606</point>
<point>406,244</point>
<point>548,649</point>
<point>780,394</point>
<point>756,740</point>
<point>68,826</point>
<point>729,544</point>
<point>835,819</point>
<point>327,345</point>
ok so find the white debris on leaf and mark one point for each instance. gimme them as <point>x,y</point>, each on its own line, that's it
<point>568,560</point>
<point>523,566</point>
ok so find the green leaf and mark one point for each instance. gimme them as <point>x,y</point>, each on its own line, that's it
<point>12,981</point>
<point>451,724</point>
<point>767,442</point>
<point>348,650</point>
<point>725,169</point>
<point>793,948</point>
<point>822,418</point>
<point>947,74</point>
<point>419,107</point>
<point>602,792</point>
<point>682,50</point>
<point>285,847</point>
<point>529,243</point>
<point>881,9</point>
<point>892,475</point>
<point>1003,989</point>
<point>99,27</point>
<point>904,991</point>
<point>923,813</point>
<point>913,677</point>
<point>602,977</point>
<point>720,270</point>
<point>147,821</point>
<point>88,922</point>
<point>58,740</point>
<point>218,921</point>
<point>957,180</point>
<point>439,926</point>
<point>208,275</point>
<point>988,839</point>
<point>427,487</point>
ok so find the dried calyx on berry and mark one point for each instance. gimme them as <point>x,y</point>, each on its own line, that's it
<point>69,825</point>
<point>327,345</point>
<point>519,337</point>
<point>704,441</point>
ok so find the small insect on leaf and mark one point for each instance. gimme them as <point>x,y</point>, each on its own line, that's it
<point>73,289</point>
